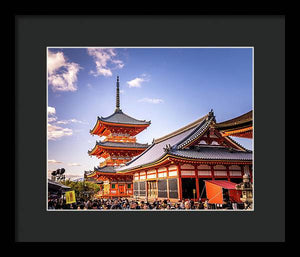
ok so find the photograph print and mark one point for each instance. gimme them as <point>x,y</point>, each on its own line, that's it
<point>150,128</point>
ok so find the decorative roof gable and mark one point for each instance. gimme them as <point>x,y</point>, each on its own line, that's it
<point>196,134</point>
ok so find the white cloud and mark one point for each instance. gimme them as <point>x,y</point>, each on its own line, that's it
<point>51,112</point>
<point>55,61</point>
<point>52,119</point>
<point>62,122</point>
<point>53,161</point>
<point>105,61</point>
<point>56,132</point>
<point>119,63</point>
<point>151,100</point>
<point>137,82</point>
<point>62,75</point>
<point>70,121</point>
<point>74,164</point>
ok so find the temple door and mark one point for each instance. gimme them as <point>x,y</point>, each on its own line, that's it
<point>152,189</point>
<point>121,189</point>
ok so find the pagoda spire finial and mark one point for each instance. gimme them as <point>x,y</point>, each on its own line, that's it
<point>118,95</point>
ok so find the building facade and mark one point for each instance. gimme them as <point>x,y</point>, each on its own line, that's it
<point>177,165</point>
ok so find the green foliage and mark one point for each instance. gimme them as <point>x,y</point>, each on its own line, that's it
<point>83,189</point>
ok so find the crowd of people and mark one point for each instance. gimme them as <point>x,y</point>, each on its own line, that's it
<point>131,204</point>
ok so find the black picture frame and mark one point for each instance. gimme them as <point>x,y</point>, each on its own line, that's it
<point>33,33</point>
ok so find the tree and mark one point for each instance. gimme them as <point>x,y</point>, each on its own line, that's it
<point>83,189</point>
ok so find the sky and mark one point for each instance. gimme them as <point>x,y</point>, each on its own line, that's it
<point>172,87</point>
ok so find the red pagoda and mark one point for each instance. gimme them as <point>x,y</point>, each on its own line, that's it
<point>118,147</point>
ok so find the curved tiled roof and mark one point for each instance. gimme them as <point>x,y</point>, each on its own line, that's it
<point>108,169</point>
<point>238,122</point>
<point>121,118</point>
<point>174,143</point>
<point>201,128</point>
<point>213,153</point>
<point>157,149</point>
<point>121,144</point>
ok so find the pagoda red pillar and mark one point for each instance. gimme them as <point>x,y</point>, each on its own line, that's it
<point>197,183</point>
<point>179,182</point>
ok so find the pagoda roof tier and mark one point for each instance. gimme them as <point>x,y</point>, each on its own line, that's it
<point>104,173</point>
<point>105,169</point>
<point>182,144</point>
<point>121,144</point>
<point>118,119</point>
<point>90,175</point>
<point>108,172</point>
<point>102,147</point>
<point>97,170</point>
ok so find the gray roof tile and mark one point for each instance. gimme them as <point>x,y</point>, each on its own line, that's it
<point>120,117</point>
<point>173,146</point>
<point>213,153</point>
<point>108,169</point>
<point>121,144</point>
<point>201,128</point>
<point>154,152</point>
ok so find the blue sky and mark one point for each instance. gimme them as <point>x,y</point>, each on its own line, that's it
<point>169,86</point>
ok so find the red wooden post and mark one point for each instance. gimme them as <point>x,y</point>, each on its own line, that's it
<point>243,172</point>
<point>212,172</point>
<point>146,186</point>
<point>167,182</point>
<point>156,170</point>
<point>179,182</point>
<point>228,174</point>
<point>197,183</point>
